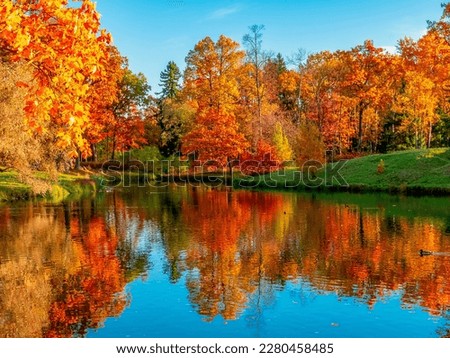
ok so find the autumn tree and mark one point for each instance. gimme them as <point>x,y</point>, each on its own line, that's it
<point>291,82</point>
<point>309,146</point>
<point>425,68</point>
<point>20,149</point>
<point>324,102</point>
<point>256,60</point>
<point>263,159</point>
<point>211,86</point>
<point>215,138</point>
<point>211,75</point>
<point>417,104</point>
<point>103,94</point>
<point>273,69</point>
<point>66,49</point>
<point>281,144</point>
<point>127,129</point>
<point>368,81</point>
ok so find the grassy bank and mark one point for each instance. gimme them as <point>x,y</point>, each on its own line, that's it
<point>67,184</point>
<point>411,172</point>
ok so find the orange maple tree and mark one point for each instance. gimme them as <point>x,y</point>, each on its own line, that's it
<point>67,50</point>
<point>215,138</point>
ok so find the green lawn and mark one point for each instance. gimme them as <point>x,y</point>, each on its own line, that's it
<point>421,168</point>
<point>424,171</point>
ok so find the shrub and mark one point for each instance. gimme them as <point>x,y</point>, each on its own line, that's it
<point>380,167</point>
<point>264,160</point>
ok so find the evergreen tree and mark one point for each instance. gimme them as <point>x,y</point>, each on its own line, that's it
<point>171,112</point>
<point>170,78</point>
<point>281,64</point>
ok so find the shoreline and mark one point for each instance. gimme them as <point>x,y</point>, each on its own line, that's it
<point>72,184</point>
<point>86,186</point>
<point>351,189</point>
<point>413,172</point>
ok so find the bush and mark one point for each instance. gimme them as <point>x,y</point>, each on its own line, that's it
<point>264,160</point>
<point>380,167</point>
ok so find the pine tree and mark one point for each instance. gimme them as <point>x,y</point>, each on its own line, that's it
<point>170,117</point>
<point>170,78</point>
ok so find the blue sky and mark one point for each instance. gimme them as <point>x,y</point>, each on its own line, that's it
<point>152,32</point>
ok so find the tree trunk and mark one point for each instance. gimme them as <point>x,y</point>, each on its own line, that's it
<point>113,151</point>
<point>360,127</point>
<point>94,152</point>
<point>78,160</point>
<point>430,132</point>
<point>416,139</point>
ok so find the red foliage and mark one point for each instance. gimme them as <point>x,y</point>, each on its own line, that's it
<point>264,160</point>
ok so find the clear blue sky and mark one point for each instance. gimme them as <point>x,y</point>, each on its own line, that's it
<point>152,32</point>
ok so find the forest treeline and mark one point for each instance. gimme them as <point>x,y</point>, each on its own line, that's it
<point>67,95</point>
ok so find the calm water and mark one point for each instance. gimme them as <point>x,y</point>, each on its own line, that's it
<point>197,262</point>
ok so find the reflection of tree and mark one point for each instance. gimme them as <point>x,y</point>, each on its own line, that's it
<point>59,270</point>
<point>30,245</point>
<point>128,223</point>
<point>215,283</point>
<point>243,246</point>
<point>224,258</point>
<point>93,292</point>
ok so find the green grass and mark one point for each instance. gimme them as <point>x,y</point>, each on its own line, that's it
<point>67,185</point>
<point>414,168</point>
<point>424,171</point>
<point>11,188</point>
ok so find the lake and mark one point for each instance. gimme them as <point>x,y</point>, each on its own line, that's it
<point>184,261</point>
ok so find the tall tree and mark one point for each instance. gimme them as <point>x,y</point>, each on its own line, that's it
<point>127,129</point>
<point>256,59</point>
<point>368,80</point>
<point>212,88</point>
<point>172,114</point>
<point>283,148</point>
<point>211,75</point>
<point>103,95</point>
<point>20,149</point>
<point>418,105</point>
<point>170,81</point>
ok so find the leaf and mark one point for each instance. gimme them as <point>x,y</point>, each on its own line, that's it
<point>21,84</point>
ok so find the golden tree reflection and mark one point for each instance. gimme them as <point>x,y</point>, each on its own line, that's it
<point>60,274</point>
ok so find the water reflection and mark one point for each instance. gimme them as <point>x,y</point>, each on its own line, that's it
<point>64,269</point>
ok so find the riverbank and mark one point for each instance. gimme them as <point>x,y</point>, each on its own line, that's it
<point>415,172</point>
<point>75,184</point>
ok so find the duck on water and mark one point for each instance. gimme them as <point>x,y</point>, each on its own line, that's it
<point>428,253</point>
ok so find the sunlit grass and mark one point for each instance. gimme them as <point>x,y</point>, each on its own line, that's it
<point>414,171</point>
<point>67,184</point>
